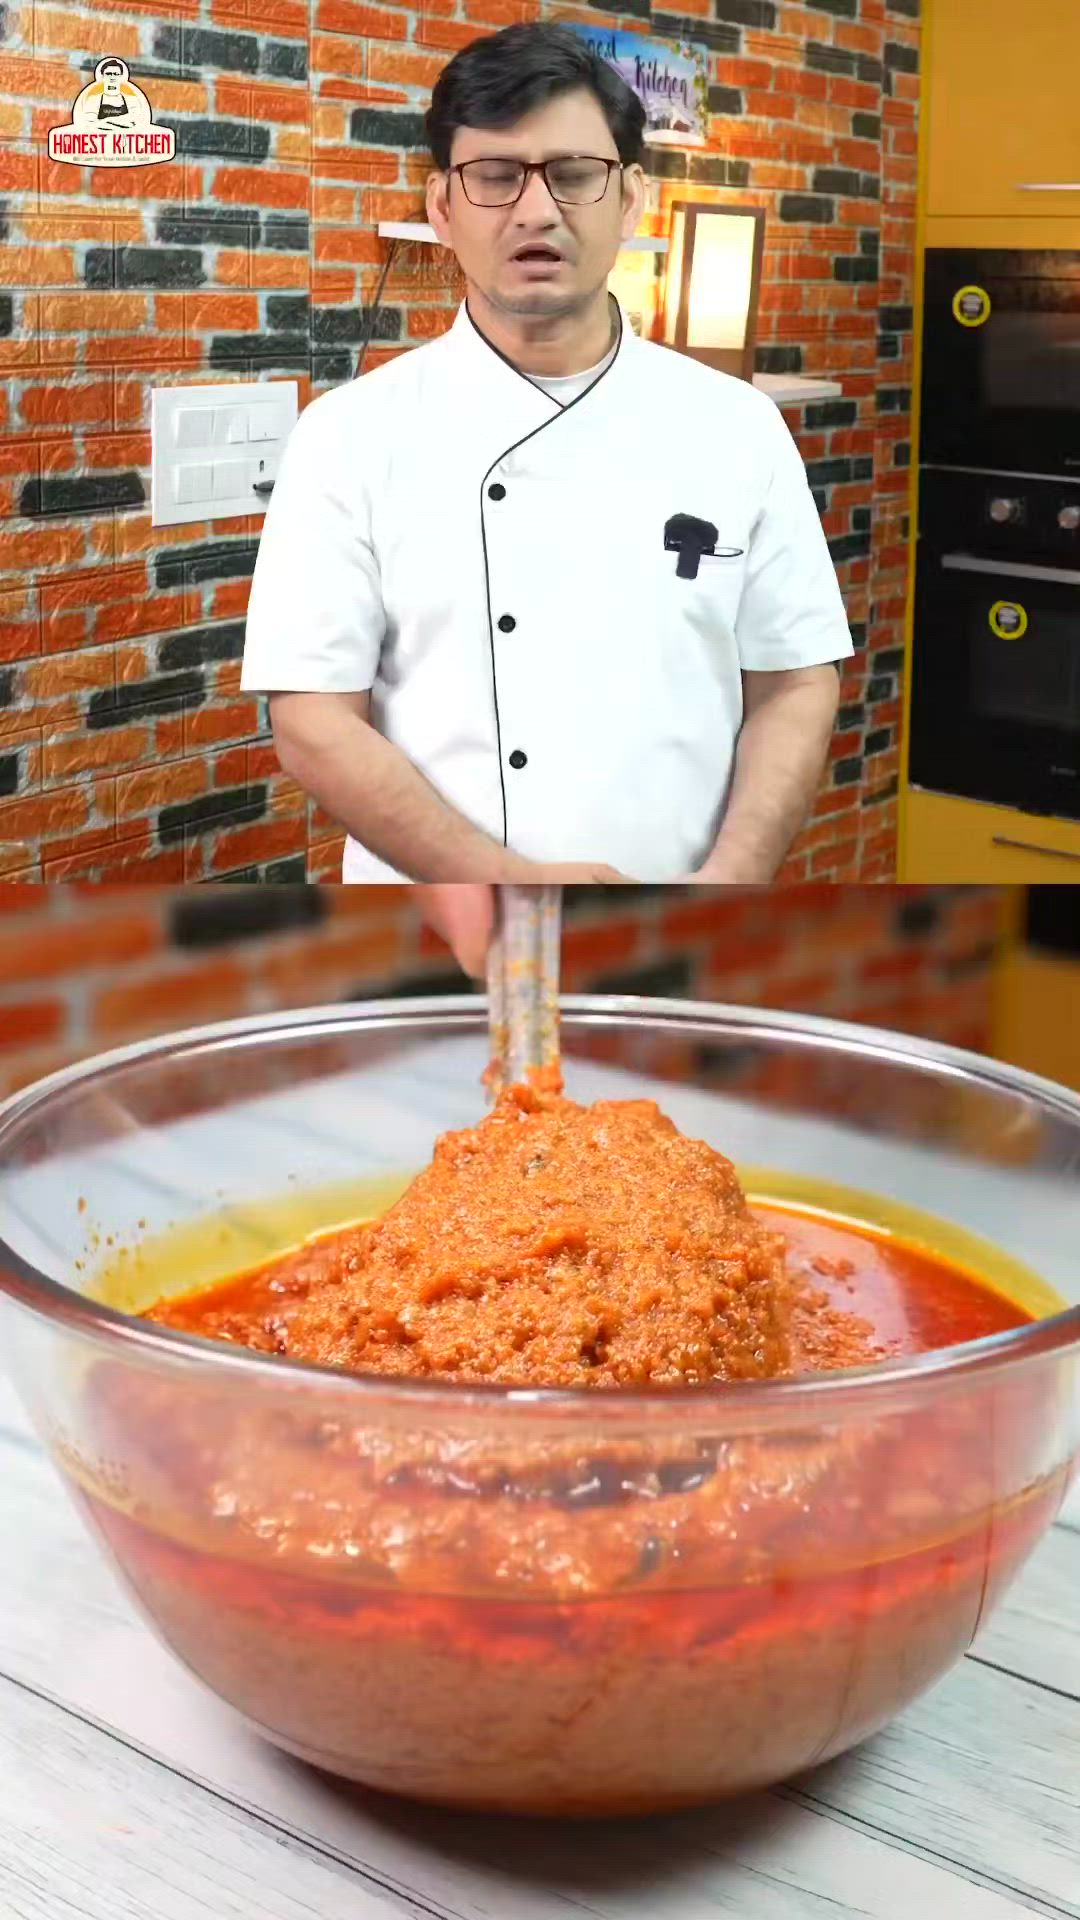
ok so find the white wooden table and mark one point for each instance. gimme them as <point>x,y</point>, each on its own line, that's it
<point>128,1793</point>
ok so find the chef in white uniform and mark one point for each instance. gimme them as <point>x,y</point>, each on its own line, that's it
<point>485,657</point>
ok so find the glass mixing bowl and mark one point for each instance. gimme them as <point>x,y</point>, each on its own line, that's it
<point>559,1602</point>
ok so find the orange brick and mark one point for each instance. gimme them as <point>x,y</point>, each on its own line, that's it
<point>221,313</point>
<point>25,1021</point>
<point>367,23</point>
<point>158,613</point>
<point>32,548</point>
<point>70,405</point>
<point>280,105</point>
<point>210,991</point>
<point>206,726</point>
<point>140,792</point>
<point>112,747</point>
<point>46,951</point>
<point>408,69</point>
<point>251,186</point>
<point>139,862</point>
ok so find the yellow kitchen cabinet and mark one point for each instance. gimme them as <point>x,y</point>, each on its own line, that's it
<point>1037,1001</point>
<point>1004,107</point>
<point>945,839</point>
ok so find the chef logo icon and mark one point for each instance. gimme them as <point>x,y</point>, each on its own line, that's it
<point>111,124</point>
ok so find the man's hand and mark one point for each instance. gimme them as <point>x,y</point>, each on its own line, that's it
<point>464,915</point>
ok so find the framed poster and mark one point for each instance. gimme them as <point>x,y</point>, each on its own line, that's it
<point>670,78</point>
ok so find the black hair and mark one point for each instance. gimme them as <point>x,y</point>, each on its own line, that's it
<point>118,66</point>
<point>496,80</point>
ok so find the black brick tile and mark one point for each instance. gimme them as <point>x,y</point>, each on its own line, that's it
<point>209,919</point>
<point>866,126</point>
<point>640,9</point>
<point>824,59</point>
<point>384,127</point>
<point>215,560</point>
<point>778,360</point>
<point>857,630</point>
<point>849,717</point>
<point>902,454</point>
<point>7,315</point>
<point>890,660</point>
<point>232,806</point>
<point>849,546</point>
<point>292,351</point>
<point>894,399</point>
<point>7,686</point>
<point>287,872</point>
<point>736,174</point>
<point>862,467</point>
<point>88,493</point>
<point>901,59</point>
<point>856,267</point>
<point>880,687</point>
<point>200,646</point>
<point>870,242</point>
<point>727,100</point>
<point>201,47</point>
<point>144,267</point>
<point>708,33</point>
<point>877,741</point>
<point>9,773</point>
<point>896,319</point>
<point>861,519</point>
<point>164,693</point>
<point>234,138</point>
<point>843,180</point>
<point>329,369</point>
<point>288,312</point>
<point>846,773</point>
<point>807,208</point>
<point>285,59</point>
<point>746,13</point>
<point>665,163</point>
<point>916,918</point>
<point>208,227</point>
<point>846,9</point>
<point>828,473</point>
<point>286,236</point>
<point>888,346</point>
<point>832,413</point>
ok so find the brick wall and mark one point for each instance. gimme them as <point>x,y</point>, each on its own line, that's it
<point>126,749</point>
<point>88,967</point>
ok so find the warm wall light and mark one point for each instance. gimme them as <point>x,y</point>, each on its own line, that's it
<point>713,280</point>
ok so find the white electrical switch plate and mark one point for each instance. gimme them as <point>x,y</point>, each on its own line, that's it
<point>196,433</point>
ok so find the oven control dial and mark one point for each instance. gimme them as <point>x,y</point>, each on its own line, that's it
<point>1006,512</point>
<point>1069,519</point>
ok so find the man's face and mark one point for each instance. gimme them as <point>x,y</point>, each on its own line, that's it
<point>586,238</point>
<point>111,78</point>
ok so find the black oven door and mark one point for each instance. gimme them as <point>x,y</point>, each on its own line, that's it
<point>995,688</point>
<point>1001,360</point>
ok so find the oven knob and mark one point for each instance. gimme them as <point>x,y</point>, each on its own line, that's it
<point>1005,511</point>
<point>1069,519</point>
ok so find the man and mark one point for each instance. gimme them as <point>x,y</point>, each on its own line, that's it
<point>483,656</point>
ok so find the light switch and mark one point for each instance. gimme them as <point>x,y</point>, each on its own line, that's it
<point>265,423</point>
<point>229,477</point>
<point>235,429</point>
<point>191,483</point>
<point>193,427</point>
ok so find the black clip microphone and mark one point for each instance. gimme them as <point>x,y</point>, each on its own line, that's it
<point>690,538</point>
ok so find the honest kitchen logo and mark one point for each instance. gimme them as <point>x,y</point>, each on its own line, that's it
<point>111,124</point>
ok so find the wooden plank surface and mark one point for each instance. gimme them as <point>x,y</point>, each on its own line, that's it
<point>966,1807</point>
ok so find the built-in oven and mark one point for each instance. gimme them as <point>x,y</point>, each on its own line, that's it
<point>1001,360</point>
<point>995,693</point>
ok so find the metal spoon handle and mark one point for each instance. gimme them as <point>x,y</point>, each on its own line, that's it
<point>523,983</point>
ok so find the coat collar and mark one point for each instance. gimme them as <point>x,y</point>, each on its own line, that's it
<point>482,360</point>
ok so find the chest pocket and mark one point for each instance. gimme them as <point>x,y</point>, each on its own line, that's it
<point>702,612</point>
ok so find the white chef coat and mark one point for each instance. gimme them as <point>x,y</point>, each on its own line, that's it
<point>490,563</point>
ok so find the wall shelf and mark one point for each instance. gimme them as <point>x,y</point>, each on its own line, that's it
<point>786,389</point>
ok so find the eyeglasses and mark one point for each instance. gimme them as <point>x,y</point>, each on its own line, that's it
<point>574,180</point>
